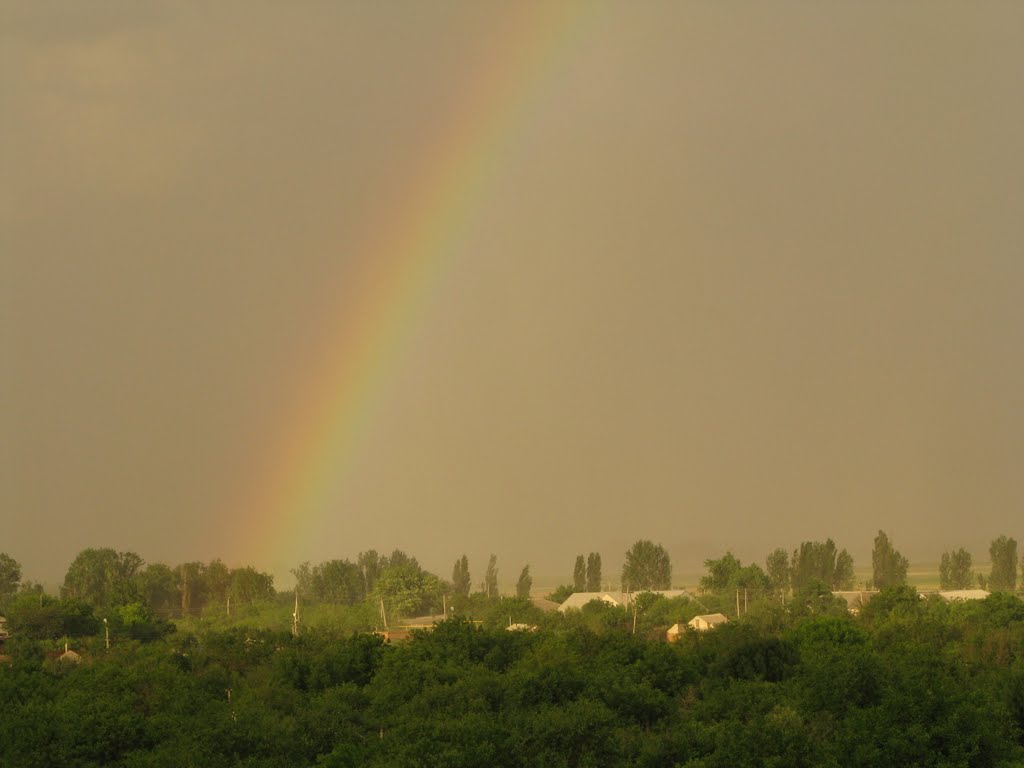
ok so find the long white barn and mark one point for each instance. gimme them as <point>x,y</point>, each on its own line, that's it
<point>578,599</point>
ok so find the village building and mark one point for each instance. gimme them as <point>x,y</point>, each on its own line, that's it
<point>707,621</point>
<point>544,604</point>
<point>674,632</point>
<point>577,600</point>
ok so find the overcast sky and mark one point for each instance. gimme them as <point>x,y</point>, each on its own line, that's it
<point>742,274</point>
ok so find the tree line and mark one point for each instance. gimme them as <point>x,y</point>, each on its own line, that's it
<point>134,598</point>
<point>137,595</point>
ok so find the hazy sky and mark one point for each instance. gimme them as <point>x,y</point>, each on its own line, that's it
<point>741,274</point>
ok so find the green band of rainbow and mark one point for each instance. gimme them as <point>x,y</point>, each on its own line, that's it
<point>408,252</point>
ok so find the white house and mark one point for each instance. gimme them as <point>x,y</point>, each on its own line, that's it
<point>578,599</point>
<point>707,621</point>
<point>674,632</point>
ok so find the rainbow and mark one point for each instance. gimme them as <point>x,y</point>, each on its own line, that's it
<point>407,249</point>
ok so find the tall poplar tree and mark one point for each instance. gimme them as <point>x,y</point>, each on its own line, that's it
<point>955,570</point>
<point>579,574</point>
<point>1004,565</point>
<point>525,583</point>
<point>778,569</point>
<point>594,572</point>
<point>491,577</point>
<point>889,567</point>
<point>821,561</point>
<point>460,577</point>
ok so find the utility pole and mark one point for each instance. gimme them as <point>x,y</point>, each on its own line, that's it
<point>295,616</point>
<point>383,616</point>
<point>444,605</point>
<point>737,603</point>
<point>744,599</point>
<point>229,606</point>
<point>106,632</point>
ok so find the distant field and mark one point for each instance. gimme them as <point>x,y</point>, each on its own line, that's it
<point>923,575</point>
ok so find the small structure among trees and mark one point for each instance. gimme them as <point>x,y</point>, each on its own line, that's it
<point>616,599</point>
<point>707,621</point>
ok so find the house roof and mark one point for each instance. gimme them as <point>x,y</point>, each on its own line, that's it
<point>578,599</point>
<point>544,604</point>
<point>711,619</point>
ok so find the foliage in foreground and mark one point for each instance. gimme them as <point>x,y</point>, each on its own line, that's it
<point>912,682</point>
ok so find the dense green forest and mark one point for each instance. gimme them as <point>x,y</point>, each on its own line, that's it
<point>204,665</point>
<point>908,682</point>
